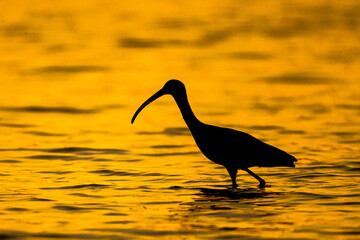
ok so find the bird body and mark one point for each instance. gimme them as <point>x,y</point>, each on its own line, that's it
<point>228,147</point>
<point>237,149</point>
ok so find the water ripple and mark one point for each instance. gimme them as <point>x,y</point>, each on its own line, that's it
<point>83,186</point>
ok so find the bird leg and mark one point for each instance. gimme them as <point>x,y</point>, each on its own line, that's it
<point>262,182</point>
<point>232,172</point>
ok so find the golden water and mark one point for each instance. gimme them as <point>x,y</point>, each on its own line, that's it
<point>73,73</point>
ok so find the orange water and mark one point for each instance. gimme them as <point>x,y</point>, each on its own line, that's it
<point>73,73</point>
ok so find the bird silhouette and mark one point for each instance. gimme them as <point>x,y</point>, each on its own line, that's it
<point>230,148</point>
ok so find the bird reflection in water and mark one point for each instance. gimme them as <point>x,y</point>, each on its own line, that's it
<point>230,148</point>
<point>212,194</point>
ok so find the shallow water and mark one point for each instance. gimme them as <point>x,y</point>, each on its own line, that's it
<point>74,73</point>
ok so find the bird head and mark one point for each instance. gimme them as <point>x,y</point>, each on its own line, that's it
<point>173,87</point>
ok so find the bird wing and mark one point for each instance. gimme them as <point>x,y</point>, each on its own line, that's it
<point>230,147</point>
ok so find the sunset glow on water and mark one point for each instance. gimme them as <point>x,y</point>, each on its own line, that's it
<point>73,73</point>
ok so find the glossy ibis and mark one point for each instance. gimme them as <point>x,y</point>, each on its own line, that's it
<point>228,147</point>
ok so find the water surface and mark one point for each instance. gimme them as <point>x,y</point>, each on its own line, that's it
<point>74,73</point>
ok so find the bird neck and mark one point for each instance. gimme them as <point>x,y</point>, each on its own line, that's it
<point>185,109</point>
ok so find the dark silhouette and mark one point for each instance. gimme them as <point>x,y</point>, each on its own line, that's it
<point>216,195</point>
<point>230,148</point>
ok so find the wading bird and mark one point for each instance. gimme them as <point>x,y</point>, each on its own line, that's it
<point>228,147</point>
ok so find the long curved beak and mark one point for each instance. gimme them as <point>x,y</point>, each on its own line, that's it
<point>160,93</point>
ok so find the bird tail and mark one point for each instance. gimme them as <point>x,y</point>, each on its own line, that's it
<point>282,160</point>
<point>289,161</point>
